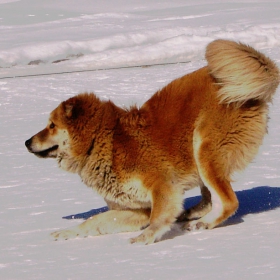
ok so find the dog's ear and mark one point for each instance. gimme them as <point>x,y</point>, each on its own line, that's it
<point>69,110</point>
<point>68,107</point>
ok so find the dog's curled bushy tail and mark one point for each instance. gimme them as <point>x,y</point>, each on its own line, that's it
<point>242,72</point>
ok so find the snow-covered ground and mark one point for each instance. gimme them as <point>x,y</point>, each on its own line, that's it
<point>44,37</point>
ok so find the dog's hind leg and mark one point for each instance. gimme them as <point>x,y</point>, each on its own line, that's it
<point>223,198</point>
<point>199,210</point>
<point>113,221</point>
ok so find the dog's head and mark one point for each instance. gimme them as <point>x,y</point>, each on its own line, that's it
<point>62,131</point>
<point>71,130</point>
<point>51,141</point>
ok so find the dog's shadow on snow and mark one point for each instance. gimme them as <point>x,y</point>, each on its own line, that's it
<point>256,200</point>
<point>253,201</point>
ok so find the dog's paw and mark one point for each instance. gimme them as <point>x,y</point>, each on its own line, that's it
<point>195,225</point>
<point>150,235</point>
<point>142,239</point>
<point>65,234</point>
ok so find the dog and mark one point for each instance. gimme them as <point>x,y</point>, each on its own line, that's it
<point>195,132</point>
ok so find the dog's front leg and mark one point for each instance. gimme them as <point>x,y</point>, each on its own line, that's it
<point>166,207</point>
<point>113,221</point>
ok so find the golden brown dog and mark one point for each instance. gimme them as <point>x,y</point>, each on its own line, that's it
<point>196,131</point>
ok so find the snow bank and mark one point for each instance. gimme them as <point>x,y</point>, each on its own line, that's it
<point>136,48</point>
<point>111,40</point>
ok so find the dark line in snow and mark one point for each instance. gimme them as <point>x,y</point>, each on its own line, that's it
<point>92,70</point>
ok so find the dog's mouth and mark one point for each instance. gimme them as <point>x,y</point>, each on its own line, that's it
<point>47,153</point>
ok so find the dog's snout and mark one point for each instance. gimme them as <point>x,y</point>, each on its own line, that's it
<point>28,143</point>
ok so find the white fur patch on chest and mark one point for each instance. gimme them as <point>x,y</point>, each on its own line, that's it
<point>131,194</point>
<point>136,188</point>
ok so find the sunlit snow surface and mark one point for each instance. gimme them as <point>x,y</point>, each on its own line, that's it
<point>41,37</point>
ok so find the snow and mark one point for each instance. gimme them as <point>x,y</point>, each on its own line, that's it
<point>35,194</point>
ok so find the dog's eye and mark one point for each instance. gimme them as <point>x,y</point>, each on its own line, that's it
<point>52,125</point>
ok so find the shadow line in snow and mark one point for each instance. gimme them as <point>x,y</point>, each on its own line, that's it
<point>256,200</point>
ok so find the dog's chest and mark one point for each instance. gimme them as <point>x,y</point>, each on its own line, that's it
<point>135,194</point>
<point>129,193</point>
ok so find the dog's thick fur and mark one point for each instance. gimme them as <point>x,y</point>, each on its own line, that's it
<point>196,131</point>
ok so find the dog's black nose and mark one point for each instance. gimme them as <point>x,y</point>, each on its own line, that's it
<point>28,143</point>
